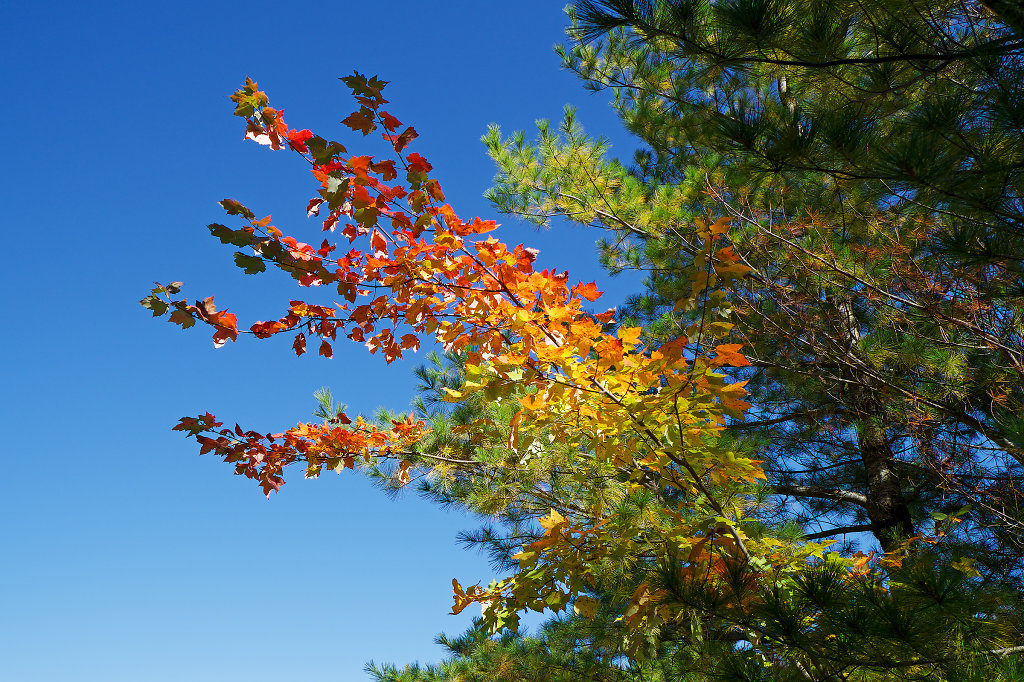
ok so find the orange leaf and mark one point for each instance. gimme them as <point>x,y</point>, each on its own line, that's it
<point>727,354</point>
<point>720,226</point>
<point>588,291</point>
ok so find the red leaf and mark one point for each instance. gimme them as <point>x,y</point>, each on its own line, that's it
<point>314,207</point>
<point>361,120</point>
<point>300,344</point>
<point>297,139</point>
<point>326,350</point>
<point>407,136</point>
<point>390,122</point>
<point>223,335</point>
<point>418,163</point>
<point>386,169</point>
<point>378,244</point>
<point>434,189</point>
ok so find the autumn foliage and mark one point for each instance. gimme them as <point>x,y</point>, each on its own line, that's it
<point>407,270</point>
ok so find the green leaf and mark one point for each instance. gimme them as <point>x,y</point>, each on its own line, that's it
<point>236,208</point>
<point>251,264</point>
<point>228,236</point>
<point>322,150</point>
<point>157,305</point>
<point>182,317</point>
<point>555,600</point>
<point>336,192</point>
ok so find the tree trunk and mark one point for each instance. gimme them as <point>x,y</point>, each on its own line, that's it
<point>887,507</point>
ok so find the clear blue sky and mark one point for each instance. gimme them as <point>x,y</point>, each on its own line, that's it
<point>127,556</point>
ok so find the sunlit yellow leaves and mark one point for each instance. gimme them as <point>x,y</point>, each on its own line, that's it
<point>552,522</point>
<point>629,335</point>
<point>463,598</point>
<point>966,566</point>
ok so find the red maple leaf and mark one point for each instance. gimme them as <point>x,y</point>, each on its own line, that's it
<point>407,136</point>
<point>297,139</point>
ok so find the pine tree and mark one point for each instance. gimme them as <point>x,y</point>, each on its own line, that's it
<point>870,162</point>
<point>888,365</point>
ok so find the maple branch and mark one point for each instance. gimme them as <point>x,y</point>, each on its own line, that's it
<point>699,482</point>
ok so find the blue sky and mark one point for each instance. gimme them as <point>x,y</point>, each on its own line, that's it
<point>127,556</point>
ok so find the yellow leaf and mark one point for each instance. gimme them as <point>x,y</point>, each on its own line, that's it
<point>585,606</point>
<point>552,521</point>
<point>966,566</point>
<point>629,335</point>
<point>461,601</point>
